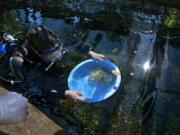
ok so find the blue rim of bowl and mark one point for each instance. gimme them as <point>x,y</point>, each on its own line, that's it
<point>118,80</point>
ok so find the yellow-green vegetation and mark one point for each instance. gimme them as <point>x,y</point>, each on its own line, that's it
<point>173,121</point>
<point>119,60</point>
<point>89,115</point>
<point>10,21</point>
<point>99,74</point>
<point>172,21</point>
<point>70,60</point>
<point>98,117</point>
<point>65,105</point>
<point>178,101</point>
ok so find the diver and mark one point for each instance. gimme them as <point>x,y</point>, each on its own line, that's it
<point>41,49</point>
<point>13,106</point>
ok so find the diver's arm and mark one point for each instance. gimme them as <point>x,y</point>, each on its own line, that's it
<point>80,47</point>
<point>88,51</point>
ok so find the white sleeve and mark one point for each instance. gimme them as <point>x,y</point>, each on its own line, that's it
<point>13,108</point>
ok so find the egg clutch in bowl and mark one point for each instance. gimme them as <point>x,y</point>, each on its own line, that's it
<point>96,80</point>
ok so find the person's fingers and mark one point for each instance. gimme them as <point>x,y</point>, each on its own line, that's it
<point>81,100</point>
<point>104,57</point>
<point>79,93</point>
<point>101,55</point>
<point>99,58</point>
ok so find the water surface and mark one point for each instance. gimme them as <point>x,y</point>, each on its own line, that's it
<point>143,41</point>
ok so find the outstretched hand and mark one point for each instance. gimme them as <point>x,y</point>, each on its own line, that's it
<point>75,96</point>
<point>97,55</point>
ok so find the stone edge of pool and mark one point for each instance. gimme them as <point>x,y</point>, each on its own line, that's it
<point>37,124</point>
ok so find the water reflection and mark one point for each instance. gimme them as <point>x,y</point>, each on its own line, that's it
<point>146,66</point>
<point>34,17</point>
<point>138,40</point>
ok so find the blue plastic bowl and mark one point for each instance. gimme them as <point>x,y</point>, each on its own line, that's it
<point>93,91</point>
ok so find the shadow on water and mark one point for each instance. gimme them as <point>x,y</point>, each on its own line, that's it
<point>143,40</point>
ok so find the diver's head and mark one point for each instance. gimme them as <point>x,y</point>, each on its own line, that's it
<point>41,38</point>
<point>45,42</point>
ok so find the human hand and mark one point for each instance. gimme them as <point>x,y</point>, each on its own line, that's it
<point>75,96</point>
<point>13,108</point>
<point>97,55</point>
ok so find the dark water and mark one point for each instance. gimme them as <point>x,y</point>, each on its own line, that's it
<point>143,40</point>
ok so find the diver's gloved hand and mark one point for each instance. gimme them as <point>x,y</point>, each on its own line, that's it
<point>13,108</point>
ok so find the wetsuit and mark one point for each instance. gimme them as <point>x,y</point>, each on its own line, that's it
<point>50,84</point>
